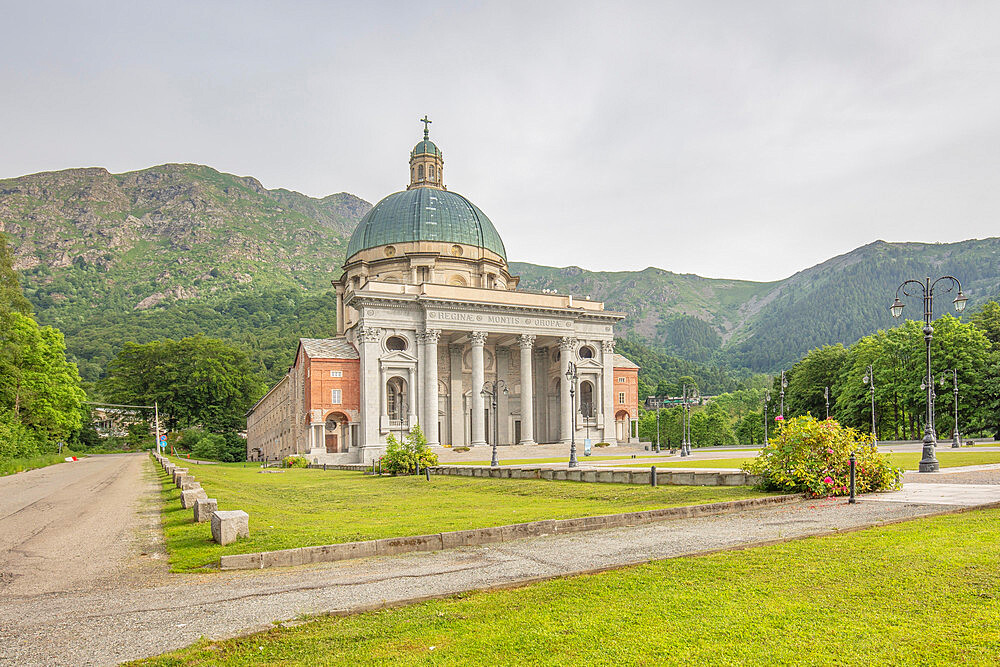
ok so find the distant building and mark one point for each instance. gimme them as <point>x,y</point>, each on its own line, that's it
<point>427,318</point>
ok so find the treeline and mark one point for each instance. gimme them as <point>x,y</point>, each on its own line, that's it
<point>897,358</point>
<point>41,401</point>
<point>265,322</point>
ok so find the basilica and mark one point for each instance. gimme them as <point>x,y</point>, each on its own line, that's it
<point>432,330</point>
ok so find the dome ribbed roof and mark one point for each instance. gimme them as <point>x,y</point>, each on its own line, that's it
<point>425,214</point>
<point>426,146</point>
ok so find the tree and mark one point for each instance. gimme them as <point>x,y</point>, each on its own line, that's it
<point>809,377</point>
<point>197,381</point>
<point>11,297</point>
<point>37,385</point>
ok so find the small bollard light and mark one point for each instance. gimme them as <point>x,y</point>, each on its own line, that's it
<point>427,473</point>
<point>324,467</point>
<point>652,475</point>
<point>854,462</point>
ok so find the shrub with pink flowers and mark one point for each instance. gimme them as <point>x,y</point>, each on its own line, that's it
<point>808,455</point>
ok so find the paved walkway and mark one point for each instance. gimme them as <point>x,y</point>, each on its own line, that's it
<point>141,617</point>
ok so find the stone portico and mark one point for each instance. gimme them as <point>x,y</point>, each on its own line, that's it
<point>428,351</point>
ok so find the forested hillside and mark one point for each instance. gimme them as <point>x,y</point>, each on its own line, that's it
<point>180,249</point>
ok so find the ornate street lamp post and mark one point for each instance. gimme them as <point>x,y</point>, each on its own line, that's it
<point>784,383</point>
<point>658,429</point>
<point>826,397</point>
<point>689,394</point>
<point>869,379</point>
<point>572,376</point>
<point>956,439</point>
<point>491,391</point>
<point>928,461</point>
<point>767,399</point>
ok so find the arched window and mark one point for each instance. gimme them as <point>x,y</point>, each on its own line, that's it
<point>396,398</point>
<point>586,352</point>
<point>395,343</point>
<point>420,172</point>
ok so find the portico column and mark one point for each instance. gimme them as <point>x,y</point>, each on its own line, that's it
<point>412,397</point>
<point>478,380</point>
<point>566,347</point>
<point>608,391</point>
<point>430,341</point>
<point>368,338</point>
<point>527,391</point>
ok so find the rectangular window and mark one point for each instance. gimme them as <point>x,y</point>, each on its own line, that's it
<point>335,396</point>
<point>336,374</point>
<point>621,380</point>
<point>621,397</point>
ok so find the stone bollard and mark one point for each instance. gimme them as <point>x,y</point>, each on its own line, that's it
<point>169,469</point>
<point>188,498</point>
<point>230,525</point>
<point>203,509</point>
<point>188,486</point>
<point>180,480</point>
<point>178,471</point>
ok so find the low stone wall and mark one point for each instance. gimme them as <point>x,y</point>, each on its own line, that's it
<point>463,538</point>
<point>606,476</point>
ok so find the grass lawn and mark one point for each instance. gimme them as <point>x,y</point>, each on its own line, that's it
<point>908,460</point>
<point>300,507</point>
<point>11,466</point>
<point>925,592</point>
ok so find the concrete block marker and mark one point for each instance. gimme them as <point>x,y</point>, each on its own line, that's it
<point>181,480</point>
<point>203,509</point>
<point>188,498</point>
<point>190,485</point>
<point>177,472</point>
<point>230,525</point>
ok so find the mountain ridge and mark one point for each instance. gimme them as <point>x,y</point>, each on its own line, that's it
<point>87,241</point>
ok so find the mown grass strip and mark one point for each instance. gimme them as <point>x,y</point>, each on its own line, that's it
<point>924,592</point>
<point>310,507</point>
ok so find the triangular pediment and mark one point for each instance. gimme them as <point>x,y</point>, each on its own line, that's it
<point>589,364</point>
<point>398,357</point>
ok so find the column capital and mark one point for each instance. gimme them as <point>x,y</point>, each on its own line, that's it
<point>479,337</point>
<point>608,345</point>
<point>567,344</point>
<point>369,334</point>
<point>429,336</point>
<point>525,341</point>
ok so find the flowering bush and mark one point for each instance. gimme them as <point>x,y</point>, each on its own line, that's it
<point>811,456</point>
<point>409,456</point>
<point>294,462</point>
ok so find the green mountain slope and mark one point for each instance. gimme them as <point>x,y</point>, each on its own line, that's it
<point>178,249</point>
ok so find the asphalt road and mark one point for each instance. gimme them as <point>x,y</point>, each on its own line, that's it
<point>80,525</point>
<point>120,603</point>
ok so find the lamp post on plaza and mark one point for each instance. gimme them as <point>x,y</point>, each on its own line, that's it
<point>491,391</point>
<point>928,461</point>
<point>956,439</point>
<point>826,397</point>
<point>684,430</point>
<point>767,399</point>
<point>784,383</point>
<point>572,376</point>
<point>869,379</point>
<point>690,393</point>
<point>658,428</point>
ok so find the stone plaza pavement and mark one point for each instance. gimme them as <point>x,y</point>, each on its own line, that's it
<point>143,610</point>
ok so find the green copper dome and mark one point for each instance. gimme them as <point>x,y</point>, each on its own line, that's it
<point>425,214</point>
<point>426,146</point>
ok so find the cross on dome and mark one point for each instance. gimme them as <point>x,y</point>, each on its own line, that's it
<point>426,121</point>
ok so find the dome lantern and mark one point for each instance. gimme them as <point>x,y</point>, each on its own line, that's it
<point>426,162</point>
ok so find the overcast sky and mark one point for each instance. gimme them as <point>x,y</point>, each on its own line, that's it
<point>728,139</point>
